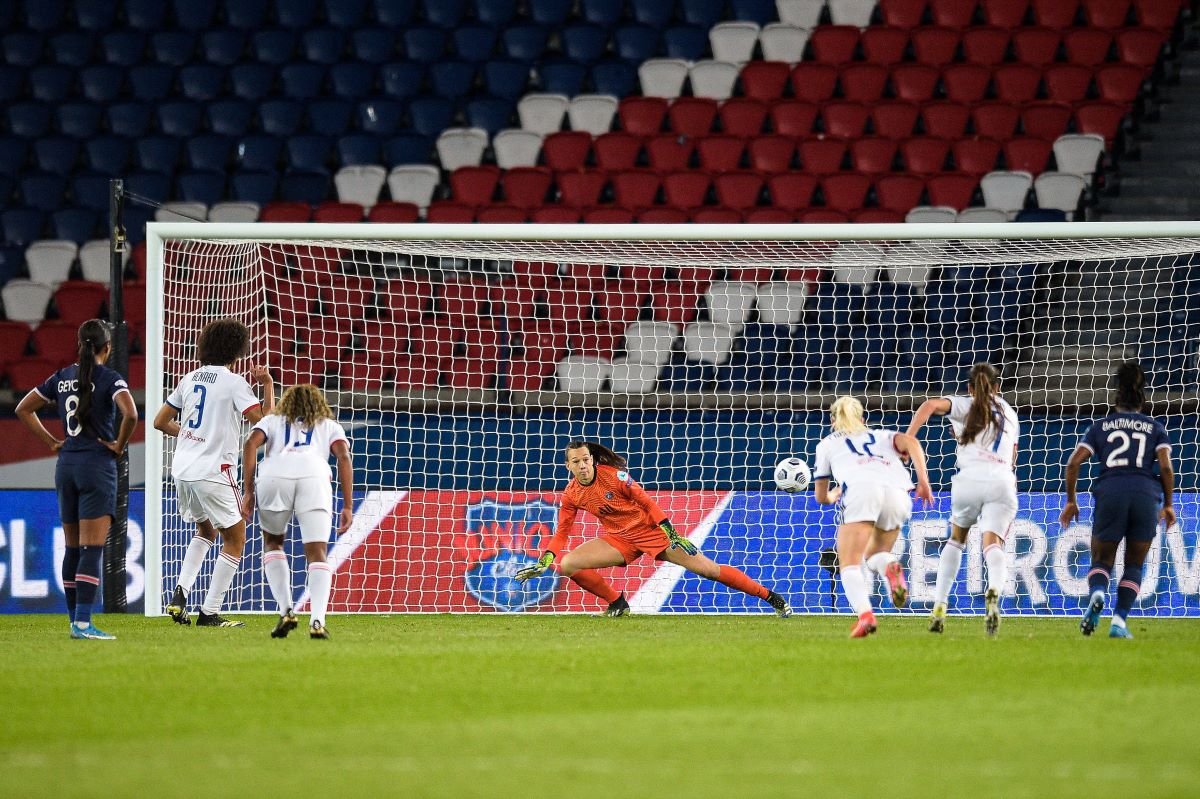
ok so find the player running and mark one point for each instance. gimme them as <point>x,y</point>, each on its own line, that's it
<point>633,525</point>
<point>871,462</point>
<point>1130,497</point>
<point>984,490</point>
<point>87,395</point>
<point>294,479</point>
<point>204,413</point>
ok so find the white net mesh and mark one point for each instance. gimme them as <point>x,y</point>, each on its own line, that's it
<point>461,369</point>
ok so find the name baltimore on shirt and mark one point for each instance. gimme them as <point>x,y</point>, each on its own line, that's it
<point>1126,423</point>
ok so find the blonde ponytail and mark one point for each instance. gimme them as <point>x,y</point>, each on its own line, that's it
<point>847,414</point>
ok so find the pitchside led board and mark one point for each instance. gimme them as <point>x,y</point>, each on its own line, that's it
<point>483,539</point>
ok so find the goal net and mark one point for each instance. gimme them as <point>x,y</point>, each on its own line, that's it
<point>461,360</point>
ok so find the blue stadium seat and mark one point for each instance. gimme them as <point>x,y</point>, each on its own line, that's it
<point>323,45</point>
<point>352,80</point>
<point>689,42</point>
<point>123,48</point>
<point>56,154</point>
<point>562,77</point>
<point>506,79</point>
<point>44,15</point>
<point>151,82</point>
<point>252,81</point>
<point>359,148</point>
<point>445,13</point>
<point>429,115</point>
<point>101,83</point>
<point>75,224</point>
<point>615,77</point>
<point>13,152</point>
<point>380,116</point>
<point>109,155</point>
<point>402,78</point>
<point>602,12</point>
<point>29,120</point>
<point>452,79</point>
<point>23,48</point>
<point>201,187</point>
<point>637,42</point>
<point>230,117</point>
<point>146,15</point>
<point>281,117</point>
<point>81,120</point>
<point>249,15</point>
<point>12,262</point>
<point>302,81</point>
<point>223,46</point>
<point>259,153</point>
<point>553,13</point>
<point>584,43</point>
<point>12,83</point>
<point>129,119</point>
<point>704,13</point>
<point>51,83</point>
<point>424,43</point>
<point>43,191</point>
<point>393,13</point>
<point>304,187</point>
<point>493,114</point>
<point>174,48</point>
<point>686,377</point>
<point>1040,215</point>
<point>195,15</point>
<point>474,42</point>
<point>22,225</point>
<point>346,13</point>
<point>760,11</point>
<point>72,48</point>
<point>525,42</point>
<point>158,153</point>
<point>656,13</point>
<point>96,15</point>
<point>210,152</point>
<point>298,14</point>
<point>373,45</point>
<point>90,190</point>
<point>309,153</point>
<point>330,117</point>
<point>180,118</point>
<point>273,46</point>
<point>203,82</point>
<point>153,186</point>
<point>408,148</point>
<point>495,12</point>
<point>136,218</point>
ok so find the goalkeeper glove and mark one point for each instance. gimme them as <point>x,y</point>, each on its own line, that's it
<point>677,541</point>
<point>529,572</point>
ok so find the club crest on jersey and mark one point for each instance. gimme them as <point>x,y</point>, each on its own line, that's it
<point>624,478</point>
<point>608,495</point>
<point>499,539</point>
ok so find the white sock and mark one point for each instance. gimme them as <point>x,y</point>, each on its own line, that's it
<point>854,583</point>
<point>320,582</point>
<point>878,563</point>
<point>193,559</point>
<point>948,564</point>
<point>222,577</point>
<point>997,567</point>
<point>279,577</point>
<point>1117,621</point>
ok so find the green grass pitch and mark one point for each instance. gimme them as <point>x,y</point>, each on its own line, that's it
<point>499,706</point>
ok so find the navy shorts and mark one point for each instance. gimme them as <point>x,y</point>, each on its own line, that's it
<point>1127,514</point>
<point>87,488</point>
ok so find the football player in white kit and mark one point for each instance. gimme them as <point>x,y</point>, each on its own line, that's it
<point>985,488</point>
<point>873,487</point>
<point>204,413</point>
<point>294,479</point>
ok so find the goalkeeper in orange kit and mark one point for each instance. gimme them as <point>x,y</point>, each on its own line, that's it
<point>633,525</point>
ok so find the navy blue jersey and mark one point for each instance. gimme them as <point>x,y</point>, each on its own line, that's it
<point>62,388</point>
<point>1127,445</point>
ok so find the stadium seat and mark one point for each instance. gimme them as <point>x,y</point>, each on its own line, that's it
<point>741,116</point>
<point>515,147</point>
<point>873,155</point>
<point>79,300</point>
<point>360,184</point>
<point>492,114</point>
<point>792,191</point>
<point>582,374</point>
<point>801,13</point>
<point>1103,119</point>
<point>408,148</point>
<point>845,192</point>
<point>501,215</point>
<point>51,83</point>
<point>359,149</point>
<point>526,188</point>
<point>1027,154</point>
<point>1036,46</point>
<point>822,156</point>
<point>662,77</point>
<point>985,215</point>
<point>772,154</point>
<point>935,46</point>
<point>976,156</point>
<point>56,155</point>
<point>1087,47</point>
<point>42,191</point>
<point>1045,120</point>
<point>925,155</point>
<point>952,189</point>
<point>581,189</point>
<point>899,193</point>
<point>252,81</point>
<point>414,183</point>
<point>692,116</point>
<point>25,301</point>
<point>49,261</point>
<point>458,147</point>
<point>863,83</point>
<point>205,188</point>
<point>995,120</point>
<point>1060,191</point>
<point>616,150</point>
<point>632,378</point>
<point>563,77</point>
<point>1006,190</point>
<point>254,187</point>
<point>614,77</point>
<point>393,212</point>
<point>914,82</point>
<point>524,42</point>
<point>1067,83</point>
<point>74,224</point>
<point>233,211</point>
<point>733,41</point>
<point>833,44</point>
<point>424,43</point>
<point>814,83</point>
<point>566,149</point>
<point>1056,14</point>
<point>286,211</point>
<point>1154,14</point>
<point>592,113</point>
<point>29,120</point>
<point>759,11</point>
<point>542,113</point>
<point>1079,154</point>
<point>931,213</point>
<point>642,116</point>
<point>782,43</point>
<point>845,120</point>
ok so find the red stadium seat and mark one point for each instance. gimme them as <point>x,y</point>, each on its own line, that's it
<point>1036,46</point>
<point>863,83</point>
<point>738,190</point>
<point>338,212</point>
<point>845,192</point>
<point>137,372</point>
<point>1140,46</point>
<point>1119,83</point>
<point>474,185</point>
<point>362,372</point>
<point>832,44</point>
<point>385,212</point>
<point>764,80</point>
<point>895,119</point>
<point>616,150</point>
<point>791,191</point>
<point>945,120</point>
<point>877,216</point>
<point>581,188</point>
<point>416,372</point>
<point>1025,154</point>
<point>985,45</point>
<point>815,82</point>
<point>902,13</point>
<point>674,304</point>
<point>995,120</point>
<point>294,305</point>
<point>135,301</point>
<point>925,155</point>
<point>1067,83</point>
<point>596,339</point>
<point>566,149</point>
<point>685,189</point>
<point>79,300</point>
<point>1107,13</point>
<point>619,302</point>
<point>822,216</point>
<point>794,117</point>
<point>526,187</point>
<point>669,152</point>
<point>899,193</point>
<point>1005,13</point>
<point>951,188</point>
<point>448,211</point>
<point>884,45</point>
<point>1057,14</point>
<point>566,302</point>
<point>845,119</point>
<point>1044,120</point>
<point>663,216</point>
<point>406,301</point>
<point>285,212</point>
<point>14,339</point>
<point>772,154</point>
<point>642,116</point>
<point>327,339</point>
<point>1087,47</point>
<point>975,156</point>
<point>741,116</point>
<point>29,373</point>
<point>872,155</point>
<point>555,215</point>
<point>720,153</point>
<point>1101,118</point>
<point>692,116</point>
<point>608,216</point>
<point>53,340</point>
<point>768,216</point>
<point>966,83</point>
<point>935,46</point>
<point>501,214</point>
<point>515,302</point>
<point>384,339</point>
<point>345,296</point>
<point>716,215</point>
<point>915,82</point>
<point>635,188</point>
<point>822,156</point>
<point>1016,83</point>
<point>952,13</point>
<point>1156,13</point>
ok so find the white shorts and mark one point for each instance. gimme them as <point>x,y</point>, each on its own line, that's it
<point>992,502</point>
<point>886,507</point>
<point>216,501</point>
<point>310,498</point>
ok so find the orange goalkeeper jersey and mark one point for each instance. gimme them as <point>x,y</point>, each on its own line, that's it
<point>623,508</point>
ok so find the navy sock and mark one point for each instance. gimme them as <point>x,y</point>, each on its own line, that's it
<point>87,580</point>
<point>1098,578</point>
<point>69,566</point>
<point>1127,590</point>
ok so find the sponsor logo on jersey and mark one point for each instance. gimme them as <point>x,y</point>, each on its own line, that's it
<point>608,495</point>
<point>500,538</point>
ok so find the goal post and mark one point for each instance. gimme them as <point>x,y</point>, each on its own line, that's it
<point>462,358</point>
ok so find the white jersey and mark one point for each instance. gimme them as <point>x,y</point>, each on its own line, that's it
<point>991,453</point>
<point>866,457</point>
<point>293,451</point>
<point>211,402</point>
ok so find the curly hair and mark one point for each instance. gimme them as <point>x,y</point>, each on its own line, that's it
<point>93,336</point>
<point>600,454</point>
<point>304,403</point>
<point>222,341</point>
<point>1130,383</point>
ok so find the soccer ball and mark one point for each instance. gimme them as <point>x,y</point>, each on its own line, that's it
<point>792,475</point>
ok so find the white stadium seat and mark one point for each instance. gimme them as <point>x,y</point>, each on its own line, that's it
<point>729,303</point>
<point>49,260</point>
<point>982,215</point>
<point>851,12</point>
<point>581,374</point>
<point>714,79</point>
<point>915,276</point>
<point>413,183</point>
<point>631,377</point>
<point>801,13</point>
<point>234,211</point>
<point>663,77</point>
<point>458,147</point>
<point>1006,190</point>
<point>650,342</point>
<point>708,342</point>
<point>782,303</point>
<point>94,263</point>
<point>1079,153</point>
<point>733,41</point>
<point>592,113</point>
<point>931,213</point>
<point>25,300</point>
<point>1060,190</point>
<point>864,273</point>
<point>542,113</point>
<point>360,184</point>
<point>516,147</point>
<point>783,42</point>
<point>181,212</point>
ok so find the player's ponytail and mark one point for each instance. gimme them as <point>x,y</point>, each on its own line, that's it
<point>304,403</point>
<point>847,415</point>
<point>92,338</point>
<point>985,382</point>
<point>601,454</point>
<point>1130,382</point>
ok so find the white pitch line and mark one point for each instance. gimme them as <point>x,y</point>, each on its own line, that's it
<point>654,592</point>
<point>376,505</point>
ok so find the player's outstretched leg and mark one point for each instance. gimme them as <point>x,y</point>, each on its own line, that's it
<point>1097,589</point>
<point>887,566</point>
<point>618,607</point>
<point>777,601</point>
<point>591,581</point>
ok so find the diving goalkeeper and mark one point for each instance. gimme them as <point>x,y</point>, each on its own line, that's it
<point>633,525</point>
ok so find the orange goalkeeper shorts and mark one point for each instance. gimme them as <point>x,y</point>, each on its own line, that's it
<point>650,541</point>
